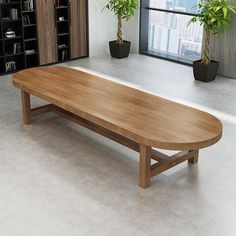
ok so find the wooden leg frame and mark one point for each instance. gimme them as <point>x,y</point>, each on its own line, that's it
<point>147,170</point>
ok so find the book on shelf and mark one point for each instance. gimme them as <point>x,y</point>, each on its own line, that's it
<point>29,52</point>
<point>64,55</point>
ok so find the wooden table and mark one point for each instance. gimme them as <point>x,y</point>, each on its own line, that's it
<point>133,118</point>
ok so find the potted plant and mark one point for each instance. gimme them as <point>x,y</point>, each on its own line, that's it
<point>124,10</point>
<point>215,16</point>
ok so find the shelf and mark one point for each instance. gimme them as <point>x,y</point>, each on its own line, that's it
<point>61,7</point>
<point>8,21</point>
<point>30,39</point>
<point>8,3</point>
<point>30,11</point>
<point>31,25</point>
<point>17,37</point>
<point>62,34</point>
<point>65,47</point>
<point>14,55</point>
<point>30,54</point>
<point>61,21</point>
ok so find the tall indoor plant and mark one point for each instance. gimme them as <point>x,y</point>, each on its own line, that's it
<point>124,10</point>
<point>215,16</point>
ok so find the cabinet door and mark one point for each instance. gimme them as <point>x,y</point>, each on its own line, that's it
<point>47,31</point>
<point>78,28</point>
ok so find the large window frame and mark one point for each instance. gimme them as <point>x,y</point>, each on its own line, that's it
<point>144,33</point>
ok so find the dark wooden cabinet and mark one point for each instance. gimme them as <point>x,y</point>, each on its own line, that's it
<point>78,28</point>
<point>46,32</point>
<point>62,29</point>
<point>47,35</point>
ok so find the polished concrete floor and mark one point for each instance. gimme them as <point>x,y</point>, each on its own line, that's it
<point>57,179</point>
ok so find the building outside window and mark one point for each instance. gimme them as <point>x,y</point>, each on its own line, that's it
<point>167,35</point>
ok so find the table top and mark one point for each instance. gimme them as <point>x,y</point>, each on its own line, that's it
<point>140,116</point>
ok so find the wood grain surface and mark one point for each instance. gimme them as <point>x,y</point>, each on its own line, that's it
<point>47,31</point>
<point>139,116</point>
<point>78,28</point>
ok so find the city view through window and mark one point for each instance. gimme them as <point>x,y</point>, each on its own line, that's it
<point>169,33</point>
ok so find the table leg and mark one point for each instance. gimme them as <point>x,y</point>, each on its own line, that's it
<point>194,159</point>
<point>25,98</point>
<point>145,166</point>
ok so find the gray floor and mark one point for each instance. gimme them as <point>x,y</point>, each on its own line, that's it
<point>59,179</point>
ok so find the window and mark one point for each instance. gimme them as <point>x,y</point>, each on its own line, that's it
<point>164,31</point>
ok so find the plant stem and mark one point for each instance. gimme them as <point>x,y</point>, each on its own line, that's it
<point>206,56</point>
<point>119,32</point>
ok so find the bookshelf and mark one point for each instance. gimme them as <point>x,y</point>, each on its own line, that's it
<point>29,20</point>
<point>63,34</point>
<point>11,37</point>
<point>42,32</point>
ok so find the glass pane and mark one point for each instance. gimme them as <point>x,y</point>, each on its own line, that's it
<point>175,5</point>
<point>169,34</point>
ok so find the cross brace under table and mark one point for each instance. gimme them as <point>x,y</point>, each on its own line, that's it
<point>146,169</point>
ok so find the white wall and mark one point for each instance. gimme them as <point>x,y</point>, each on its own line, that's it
<point>103,27</point>
<point>131,32</point>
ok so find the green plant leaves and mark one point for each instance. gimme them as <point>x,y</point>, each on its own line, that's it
<point>123,8</point>
<point>214,15</point>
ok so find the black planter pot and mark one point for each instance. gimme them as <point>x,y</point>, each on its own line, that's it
<point>205,73</point>
<point>119,50</point>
